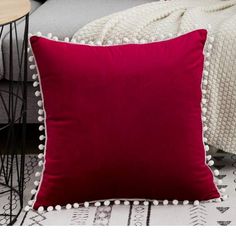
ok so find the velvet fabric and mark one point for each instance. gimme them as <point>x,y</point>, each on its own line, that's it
<point>123,121</point>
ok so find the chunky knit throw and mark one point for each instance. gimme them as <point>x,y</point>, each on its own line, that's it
<point>158,20</point>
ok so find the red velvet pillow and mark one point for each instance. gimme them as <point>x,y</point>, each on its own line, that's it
<point>123,122</point>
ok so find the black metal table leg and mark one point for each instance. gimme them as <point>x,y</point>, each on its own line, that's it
<point>13,133</point>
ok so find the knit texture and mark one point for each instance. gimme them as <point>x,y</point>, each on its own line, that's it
<point>153,21</point>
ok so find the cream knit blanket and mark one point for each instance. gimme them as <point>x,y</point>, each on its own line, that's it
<point>153,21</point>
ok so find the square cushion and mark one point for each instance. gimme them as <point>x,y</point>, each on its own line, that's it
<point>123,121</point>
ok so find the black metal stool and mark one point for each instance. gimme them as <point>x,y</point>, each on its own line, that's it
<point>14,102</point>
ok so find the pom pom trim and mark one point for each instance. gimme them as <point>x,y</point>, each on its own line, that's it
<point>125,202</point>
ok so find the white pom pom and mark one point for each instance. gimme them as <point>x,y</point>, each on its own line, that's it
<point>145,203</point>
<point>33,191</point>
<point>73,40</point>
<point>222,190</point>
<point>205,128</point>
<point>31,59</point>
<point>40,155</point>
<point>37,174</point>
<point>109,42</point>
<point>35,84</point>
<point>58,207</point>
<point>136,203</point>
<point>196,203</point>
<point>209,46</point>
<point>40,103</point>
<point>204,118</point>
<point>32,67</point>
<point>40,163</point>
<point>185,202</point>
<point>165,202</point>
<point>76,205</point>
<point>37,93</point>
<point>40,112</point>
<point>205,140</point>
<point>41,147</point>
<point>86,204</point>
<point>91,43</point>
<point>126,203</point>
<point>225,197</point>
<point>136,41</point>
<point>97,204</point>
<point>206,73</point>
<point>162,36</point>
<point>41,209</point>
<point>216,172</point>
<point>50,208</point>
<point>218,200</point>
<point>155,203</point>
<point>203,91</point>
<point>207,148</point>
<point>205,82</point>
<point>106,203</point>
<point>204,110</point>
<point>219,181</point>
<point>27,208</point>
<point>41,137</point>
<point>152,38</point>
<point>67,39</point>
<point>36,183</point>
<point>126,40</point>
<point>49,35</point>
<point>39,34</point>
<point>208,157</point>
<point>30,202</point>
<point>204,101</point>
<point>211,39</point>
<point>208,54</point>
<point>41,128</point>
<point>34,76</point>
<point>55,38</point>
<point>99,43</point>
<point>143,41</point>
<point>175,202</point>
<point>210,163</point>
<point>40,119</point>
<point>170,35</point>
<point>117,202</point>
<point>207,63</point>
<point>118,41</point>
<point>68,206</point>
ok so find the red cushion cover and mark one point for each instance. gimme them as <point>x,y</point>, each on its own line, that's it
<point>123,121</point>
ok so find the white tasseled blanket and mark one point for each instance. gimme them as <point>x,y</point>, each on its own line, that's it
<point>151,21</point>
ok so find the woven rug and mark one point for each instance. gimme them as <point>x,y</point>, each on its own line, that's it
<point>223,213</point>
<point>30,167</point>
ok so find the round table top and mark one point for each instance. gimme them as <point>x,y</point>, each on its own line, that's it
<point>11,10</point>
